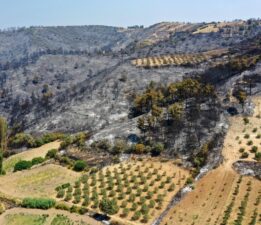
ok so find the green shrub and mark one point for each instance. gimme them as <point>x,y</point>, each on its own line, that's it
<point>77,199</point>
<point>74,209</point>
<point>79,165</point>
<point>145,218</point>
<point>157,149</point>
<point>109,206</point>
<point>68,196</point>
<point>258,156</point>
<point>241,150</point>
<point>136,216</point>
<point>22,165</point>
<point>134,206</point>
<point>37,160</point>
<point>152,203</point>
<point>250,142</point>
<point>51,154</point>
<point>125,212</point>
<point>246,136</point>
<point>254,130</point>
<point>60,193</point>
<point>244,155</point>
<point>189,181</point>
<point>254,149</point>
<point>38,203</point>
<point>66,141</point>
<point>86,201</point>
<point>144,209</point>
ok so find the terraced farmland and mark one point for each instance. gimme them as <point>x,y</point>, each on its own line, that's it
<point>141,190</point>
<point>177,59</point>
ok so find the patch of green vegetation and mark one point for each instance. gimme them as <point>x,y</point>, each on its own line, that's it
<point>26,140</point>
<point>28,219</point>
<point>38,203</point>
<point>22,165</point>
<point>64,220</point>
<point>79,165</point>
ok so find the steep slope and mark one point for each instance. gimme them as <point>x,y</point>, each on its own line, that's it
<point>81,78</point>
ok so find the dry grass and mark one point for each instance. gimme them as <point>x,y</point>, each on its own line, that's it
<point>29,155</point>
<point>21,216</point>
<point>37,182</point>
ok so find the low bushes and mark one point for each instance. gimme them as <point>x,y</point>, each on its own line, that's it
<point>37,160</point>
<point>22,165</point>
<point>38,203</point>
<point>79,166</point>
<point>26,140</point>
<point>25,164</point>
<point>51,154</point>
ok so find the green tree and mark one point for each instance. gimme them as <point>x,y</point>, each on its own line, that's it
<point>157,149</point>
<point>109,206</point>
<point>79,165</point>
<point>176,111</point>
